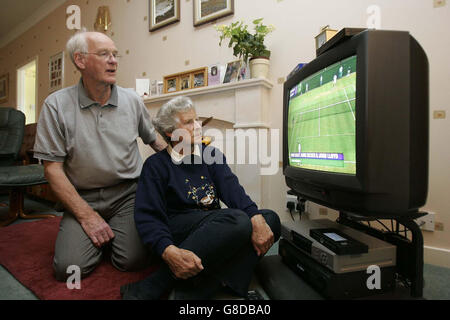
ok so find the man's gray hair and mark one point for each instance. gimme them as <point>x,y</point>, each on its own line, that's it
<point>166,119</point>
<point>77,43</point>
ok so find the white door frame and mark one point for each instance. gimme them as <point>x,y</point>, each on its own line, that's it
<point>20,86</point>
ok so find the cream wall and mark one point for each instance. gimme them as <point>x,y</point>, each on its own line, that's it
<point>153,55</point>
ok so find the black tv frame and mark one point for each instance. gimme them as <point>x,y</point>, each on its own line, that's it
<point>409,264</point>
<point>407,171</point>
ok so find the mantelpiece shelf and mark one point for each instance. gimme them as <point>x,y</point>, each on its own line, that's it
<point>212,89</point>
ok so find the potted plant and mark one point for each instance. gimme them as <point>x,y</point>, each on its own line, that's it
<point>248,45</point>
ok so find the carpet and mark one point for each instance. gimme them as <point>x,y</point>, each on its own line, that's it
<point>26,251</point>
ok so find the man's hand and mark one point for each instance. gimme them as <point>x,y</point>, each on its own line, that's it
<point>97,229</point>
<point>262,235</point>
<point>183,263</point>
<point>159,144</point>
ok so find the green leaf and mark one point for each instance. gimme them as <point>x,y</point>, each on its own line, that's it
<point>258,21</point>
<point>243,42</point>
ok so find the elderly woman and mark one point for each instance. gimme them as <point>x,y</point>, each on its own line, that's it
<point>178,214</point>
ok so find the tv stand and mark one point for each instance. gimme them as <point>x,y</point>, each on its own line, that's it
<point>409,250</point>
<point>281,282</point>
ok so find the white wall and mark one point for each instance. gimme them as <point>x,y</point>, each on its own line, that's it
<point>296,22</point>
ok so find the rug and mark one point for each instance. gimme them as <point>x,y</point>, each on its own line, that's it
<point>26,251</point>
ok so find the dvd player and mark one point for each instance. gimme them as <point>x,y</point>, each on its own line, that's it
<point>338,242</point>
<point>379,253</point>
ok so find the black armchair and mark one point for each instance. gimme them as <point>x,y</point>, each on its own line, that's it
<point>15,178</point>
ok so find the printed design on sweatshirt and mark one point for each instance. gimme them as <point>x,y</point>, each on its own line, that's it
<point>203,195</point>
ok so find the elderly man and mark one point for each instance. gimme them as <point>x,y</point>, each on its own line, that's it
<point>178,215</point>
<point>86,137</point>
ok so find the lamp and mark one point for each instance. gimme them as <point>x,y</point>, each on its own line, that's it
<point>103,20</point>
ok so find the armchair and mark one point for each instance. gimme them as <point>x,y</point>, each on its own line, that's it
<point>15,178</point>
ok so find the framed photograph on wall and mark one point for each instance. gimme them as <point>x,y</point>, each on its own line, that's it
<point>209,10</point>
<point>56,72</point>
<point>163,13</point>
<point>4,88</point>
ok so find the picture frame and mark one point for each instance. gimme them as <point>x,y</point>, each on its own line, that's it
<point>210,10</point>
<point>232,72</point>
<point>171,84</point>
<point>244,72</point>
<point>163,13</point>
<point>56,72</point>
<point>4,87</point>
<point>214,74</point>
<point>198,79</point>
<point>186,80</point>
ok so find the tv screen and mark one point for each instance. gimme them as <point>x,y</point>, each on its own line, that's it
<point>321,120</point>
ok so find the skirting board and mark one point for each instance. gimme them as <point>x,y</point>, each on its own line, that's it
<point>436,256</point>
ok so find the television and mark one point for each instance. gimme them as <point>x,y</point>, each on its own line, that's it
<point>356,126</point>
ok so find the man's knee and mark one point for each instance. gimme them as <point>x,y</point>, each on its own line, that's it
<point>64,267</point>
<point>131,262</point>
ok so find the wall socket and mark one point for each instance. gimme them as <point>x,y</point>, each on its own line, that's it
<point>439,3</point>
<point>323,211</point>
<point>439,114</point>
<point>427,222</point>
<point>291,198</point>
<point>316,211</point>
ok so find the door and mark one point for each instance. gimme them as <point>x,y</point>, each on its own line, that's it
<point>26,91</point>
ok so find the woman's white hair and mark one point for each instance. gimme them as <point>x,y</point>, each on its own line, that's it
<point>166,119</point>
<point>77,43</point>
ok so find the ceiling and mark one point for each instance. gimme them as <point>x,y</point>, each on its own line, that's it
<point>16,15</point>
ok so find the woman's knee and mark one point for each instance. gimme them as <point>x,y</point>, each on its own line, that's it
<point>273,220</point>
<point>239,221</point>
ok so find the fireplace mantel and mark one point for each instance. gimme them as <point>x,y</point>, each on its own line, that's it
<point>245,104</point>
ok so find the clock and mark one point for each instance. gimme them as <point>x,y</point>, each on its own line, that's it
<point>325,34</point>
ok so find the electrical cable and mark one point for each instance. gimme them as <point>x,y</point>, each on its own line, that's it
<point>291,206</point>
<point>300,207</point>
<point>383,225</point>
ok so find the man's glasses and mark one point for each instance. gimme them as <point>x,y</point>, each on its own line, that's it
<point>105,55</point>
